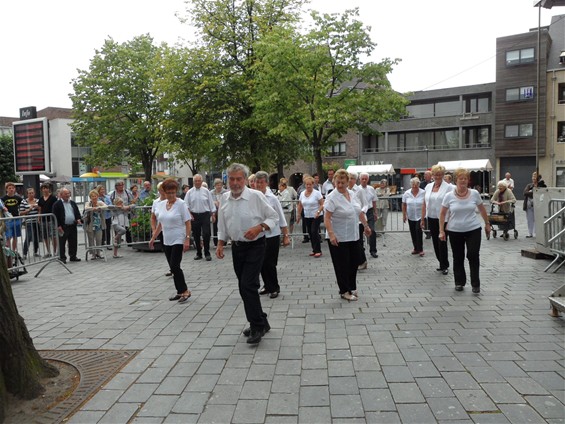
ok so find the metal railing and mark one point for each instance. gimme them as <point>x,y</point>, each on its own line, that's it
<point>554,229</point>
<point>29,241</point>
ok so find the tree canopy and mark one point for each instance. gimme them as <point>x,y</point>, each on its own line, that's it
<point>7,171</point>
<point>117,110</point>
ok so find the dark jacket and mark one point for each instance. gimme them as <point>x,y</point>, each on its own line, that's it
<point>529,193</point>
<point>59,212</point>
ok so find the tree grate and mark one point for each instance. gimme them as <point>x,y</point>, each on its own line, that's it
<point>95,367</point>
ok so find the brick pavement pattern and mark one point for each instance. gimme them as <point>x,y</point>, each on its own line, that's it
<point>411,350</point>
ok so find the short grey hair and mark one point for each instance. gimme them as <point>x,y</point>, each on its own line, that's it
<point>261,175</point>
<point>364,174</point>
<point>502,183</point>
<point>353,174</point>
<point>414,180</point>
<point>238,167</point>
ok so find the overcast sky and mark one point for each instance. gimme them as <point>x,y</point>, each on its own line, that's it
<point>442,43</point>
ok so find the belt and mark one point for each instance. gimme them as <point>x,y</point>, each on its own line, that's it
<point>248,243</point>
<point>200,213</point>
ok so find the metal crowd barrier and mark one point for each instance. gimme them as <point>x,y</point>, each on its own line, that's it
<point>35,242</point>
<point>554,228</point>
<point>137,236</point>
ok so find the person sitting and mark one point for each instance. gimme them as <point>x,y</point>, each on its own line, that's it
<point>503,198</point>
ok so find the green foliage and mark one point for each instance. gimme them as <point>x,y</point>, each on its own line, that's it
<point>316,87</point>
<point>7,170</point>
<point>118,111</point>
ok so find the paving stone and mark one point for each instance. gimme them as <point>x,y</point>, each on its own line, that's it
<point>250,411</point>
<point>285,384</point>
<point>346,406</point>
<point>521,413</point>
<point>416,413</point>
<point>475,401</point>
<point>314,378</point>
<point>527,386</point>
<point>502,393</point>
<point>314,396</point>
<point>217,414</point>
<point>377,400</point>
<point>158,406</point>
<point>406,393</point>
<point>256,390</point>
<point>460,380</point>
<point>382,418</point>
<point>309,415</point>
<point>283,404</point>
<point>119,413</point>
<point>434,387</point>
<point>447,408</point>
<point>397,374</point>
<point>138,393</point>
<point>547,406</point>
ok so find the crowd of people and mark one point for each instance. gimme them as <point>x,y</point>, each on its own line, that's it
<point>257,221</point>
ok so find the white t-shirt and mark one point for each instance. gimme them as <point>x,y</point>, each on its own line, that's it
<point>413,204</point>
<point>345,215</point>
<point>462,212</point>
<point>173,221</point>
<point>311,203</point>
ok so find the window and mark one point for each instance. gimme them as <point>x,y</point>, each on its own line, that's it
<point>370,144</point>
<point>476,137</point>
<point>446,139</point>
<point>338,149</point>
<point>448,108</point>
<point>519,130</point>
<point>420,110</point>
<point>561,132</point>
<point>518,57</point>
<point>522,93</point>
<point>561,89</point>
<point>478,104</point>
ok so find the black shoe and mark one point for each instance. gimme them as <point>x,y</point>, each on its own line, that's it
<point>459,287</point>
<point>247,331</point>
<point>197,257</point>
<point>306,241</point>
<point>168,274</point>
<point>476,289</point>
<point>263,291</point>
<point>208,258</point>
<point>255,336</point>
<point>75,259</point>
<point>175,297</point>
<point>63,261</point>
<point>274,295</point>
<point>374,254</point>
<point>444,271</point>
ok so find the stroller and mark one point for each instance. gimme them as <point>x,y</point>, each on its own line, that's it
<point>505,221</point>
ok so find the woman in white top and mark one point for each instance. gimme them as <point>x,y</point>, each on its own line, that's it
<point>431,208</point>
<point>412,201</point>
<point>342,213</point>
<point>312,202</point>
<point>173,219</point>
<point>383,204</point>
<point>464,229</point>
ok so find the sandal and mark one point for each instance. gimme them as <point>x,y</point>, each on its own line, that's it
<point>184,297</point>
<point>175,297</point>
<point>118,256</point>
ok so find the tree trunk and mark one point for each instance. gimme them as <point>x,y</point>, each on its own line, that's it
<point>318,159</point>
<point>280,170</point>
<point>21,367</point>
<point>147,169</point>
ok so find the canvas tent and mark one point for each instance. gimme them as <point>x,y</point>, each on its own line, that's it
<point>386,169</point>
<point>470,165</point>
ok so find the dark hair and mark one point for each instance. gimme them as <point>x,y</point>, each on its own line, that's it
<point>170,184</point>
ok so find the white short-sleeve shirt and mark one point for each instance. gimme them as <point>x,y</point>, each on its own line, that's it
<point>462,212</point>
<point>173,221</point>
<point>413,204</point>
<point>345,215</point>
<point>310,203</point>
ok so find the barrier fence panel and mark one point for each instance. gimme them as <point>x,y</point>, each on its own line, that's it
<point>29,241</point>
<point>554,228</point>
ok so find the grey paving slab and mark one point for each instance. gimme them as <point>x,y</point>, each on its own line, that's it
<point>410,350</point>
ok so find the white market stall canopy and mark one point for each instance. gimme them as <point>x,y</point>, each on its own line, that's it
<point>386,169</point>
<point>470,165</point>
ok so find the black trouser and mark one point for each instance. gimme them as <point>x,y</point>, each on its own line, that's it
<point>373,236</point>
<point>108,232</point>
<point>472,241</point>
<point>313,228</point>
<point>247,262</point>
<point>304,226</point>
<point>215,232</point>
<point>362,256</point>
<point>32,233</point>
<point>416,234</point>
<point>70,236</point>
<point>440,246</point>
<point>174,257</point>
<point>201,228</point>
<point>269,268</point>
<point>345,259</point>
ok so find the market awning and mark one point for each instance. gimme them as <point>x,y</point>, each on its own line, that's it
<point>386,169</point>
<point>119,175</point>
<point>470,165</point>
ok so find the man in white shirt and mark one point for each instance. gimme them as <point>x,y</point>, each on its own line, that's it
<point>360,195</point>
<point>244,216</point>
<point>328,185</point>
<point>201,205</point>
<point>272,239</point>
<point>509,181</point>
<point>371,199</point>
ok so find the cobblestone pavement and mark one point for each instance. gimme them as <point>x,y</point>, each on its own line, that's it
<point>411,350</point>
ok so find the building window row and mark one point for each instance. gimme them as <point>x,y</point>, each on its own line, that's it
<point>454,106</point>
<point>521,56</point>
<point>445,139</point>
<point>338,149</point>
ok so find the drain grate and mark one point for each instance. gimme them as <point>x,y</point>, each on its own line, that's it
<point>95,367</point>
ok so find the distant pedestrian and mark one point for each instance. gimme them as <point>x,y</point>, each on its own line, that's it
<point>68,217</point>
<point>528,205</point>
<point>311,203</point>
<point>412,201</point>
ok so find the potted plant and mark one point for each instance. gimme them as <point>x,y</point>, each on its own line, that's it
<point>140,225</point>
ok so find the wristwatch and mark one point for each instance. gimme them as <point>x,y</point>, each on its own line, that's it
<point>263,227</point>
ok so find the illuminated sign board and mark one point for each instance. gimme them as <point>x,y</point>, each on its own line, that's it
<point>31,147</point>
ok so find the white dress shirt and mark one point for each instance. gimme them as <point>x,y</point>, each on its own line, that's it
<point>434,200</point>
<point>413,204</point>
<point>311,203</point>
<point>237,215</point>
<point>173,221</point>
<point>276,205</point>
<point>370,195</point>
<point>200,200</point>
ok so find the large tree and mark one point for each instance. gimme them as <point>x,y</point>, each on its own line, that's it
<point>230,30</point>
<point>117,109</point>
<point>7,171</point>
<point>21,367</point>
<point>315,86</point>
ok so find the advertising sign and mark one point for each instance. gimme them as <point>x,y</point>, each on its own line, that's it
<point>31,147</point>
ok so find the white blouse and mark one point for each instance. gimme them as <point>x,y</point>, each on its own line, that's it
<point>434,199</point>
<point>413,204</point>
<point>462,212</point>
<point>345,215</point>
<point>173,221</point>
<point>311,203</point>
